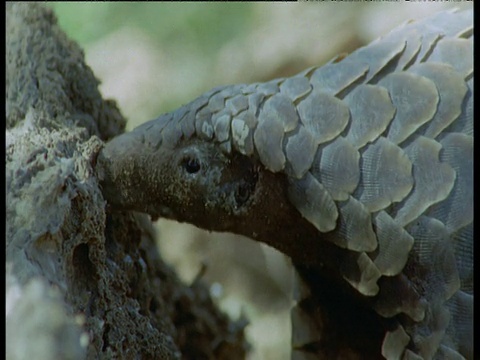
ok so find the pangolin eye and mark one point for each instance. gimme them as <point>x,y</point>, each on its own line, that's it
<point>191,165</point>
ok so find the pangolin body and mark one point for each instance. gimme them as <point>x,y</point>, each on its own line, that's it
<point>360,170</point>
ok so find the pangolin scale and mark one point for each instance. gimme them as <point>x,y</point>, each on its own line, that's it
<point>360,170</point>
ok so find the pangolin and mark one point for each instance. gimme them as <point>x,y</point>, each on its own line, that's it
<point>361,171</point>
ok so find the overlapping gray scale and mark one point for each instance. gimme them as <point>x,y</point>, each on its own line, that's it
<point>355,227</point>
<point>413,47</point>
<point>280,108</point>
<point>430,99</point>
<point>323,115</point>
<point>456,52</point>
<point>415,98</point>
<point>377,55</point>
<point>295,87</point>
<point>268,139</point>
<point>221,121</point>
<point>451,24</point>
<point>386,175</point>
<point>268,88</point>
<point>249,89</point>
<point>421,37</point>
<point>203,124</point>
<point>221,125</point>
<point>433,179</point>
<point>180,113</point>
<point>456,211</point>
<point>254,101</point>
<point>242,127</point>
<point>210,103</point>
<point>371,111</point>
<point>394,245</point>
<point>277,117</point>
<point>162,131</point>
<point>236,104</point>
<point>429,40</point>
<point>151,131</point>
<point>335,77</point>
<point>451,89</point>
<point>337,168</point>
<point>198,118</point>
<point>313,201</point>
<point>464,123</point>
<point>433,251</point>
<point>216,102</point>
<point>366,275</point>
<point>171,134</point>
<point>300,150</point>
<point>187,124</point>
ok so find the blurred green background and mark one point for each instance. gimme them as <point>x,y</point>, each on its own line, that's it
<point>154,57</point>
<point>172,25</point>
<point>156,37</point>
